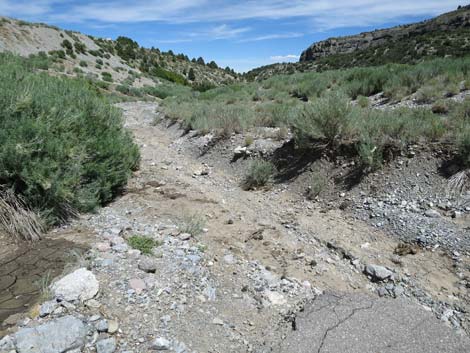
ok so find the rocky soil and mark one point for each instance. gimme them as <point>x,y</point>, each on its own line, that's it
<point>259,271</point>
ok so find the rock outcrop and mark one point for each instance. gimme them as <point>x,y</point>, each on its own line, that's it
<point>349,44</point>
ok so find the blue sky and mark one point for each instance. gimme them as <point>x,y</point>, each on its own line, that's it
<point>241,34</point>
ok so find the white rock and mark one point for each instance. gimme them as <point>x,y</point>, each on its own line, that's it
<point>161,344</point>
<point>6,344</point>
<point>432,214</point>
<point>239,151</point>
<point>79,285</point>
<point>217,321</point>
<point>275,298</point>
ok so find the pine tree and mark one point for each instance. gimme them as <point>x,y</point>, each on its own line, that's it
<point>191,75</point>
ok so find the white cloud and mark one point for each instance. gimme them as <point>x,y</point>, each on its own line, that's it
<point>26,8</point>
<point>214,33</point>
<point>272,36</point>
<point>322,14</point>
<point>285,58</point>
<point>222,32</point>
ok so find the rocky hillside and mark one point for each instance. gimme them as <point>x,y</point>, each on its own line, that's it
<point>120,61</point>
<point>444,33</point>
<point>444,36</point>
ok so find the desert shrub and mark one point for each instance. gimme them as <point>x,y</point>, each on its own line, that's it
<point>363,102</point>
<point>67,45</point>
<point>203,86</point>
<point>463,144</point>
<point>168,75</point>
<point>327,118</point>
<point>440,107</point>
<point>83,63</point>
<point>317,184</point>
<point>39,61</point>
<point>107,76</point>
<point>192,224</point>
<point>366,81</point>
<point>249,140</point>
<point>80,47</point>
<point>144,244</point>
<point>370,155</point>
<point>99,61</point>
<point>57,53</point>
<point>129,91</point>
<point>63,148</point>
<point>166,90</point>
<point>259,174</point>
<point>101,84</point>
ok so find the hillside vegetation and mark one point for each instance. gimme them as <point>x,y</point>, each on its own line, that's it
<point>444,36</point>
<point>119,63</point>
<point>332,108</point>
<point>63,148</point>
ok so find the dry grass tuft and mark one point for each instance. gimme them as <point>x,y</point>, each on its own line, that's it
<point>17,220</point>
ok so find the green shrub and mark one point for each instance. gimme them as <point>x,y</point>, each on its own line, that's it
<point>67,45</point>
<point>129,91</point>
<point>83,63</point>
<point>168,75</point>
<point>192,224</point>
<point>57,53</point>
<point>144,244</point>
<point>327,118</point>
<point>259,174</point>
<point>63,148</point>
<point>80,47</point>
<point>363,102</point>
<point>107,76</point>
<point>463,144</point>
<point>166,90</point>
<point>370,155</point>
<point>317,184</point>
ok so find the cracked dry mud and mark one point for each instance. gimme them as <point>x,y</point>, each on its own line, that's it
<point>270,274</point>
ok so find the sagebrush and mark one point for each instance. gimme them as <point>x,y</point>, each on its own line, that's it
<point>63,147</point>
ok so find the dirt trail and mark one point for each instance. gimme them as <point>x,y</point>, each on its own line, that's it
<point>263,255</point>
<point>264,252</point>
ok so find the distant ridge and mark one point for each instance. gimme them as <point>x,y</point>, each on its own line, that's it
<point>452,21</point>
<point>447,35</point>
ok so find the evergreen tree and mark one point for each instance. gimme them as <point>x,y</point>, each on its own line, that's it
<point>213,65</point>
<point>191,75</point>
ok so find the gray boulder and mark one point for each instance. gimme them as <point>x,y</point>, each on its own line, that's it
<point>48,307</point>
<point>378,273</point>
<point>57,336</point>
<point>107,345</point>
<point>148,265</point>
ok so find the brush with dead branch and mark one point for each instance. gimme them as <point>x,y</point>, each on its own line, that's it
<point>459,183</point>
<point>17,220</point>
